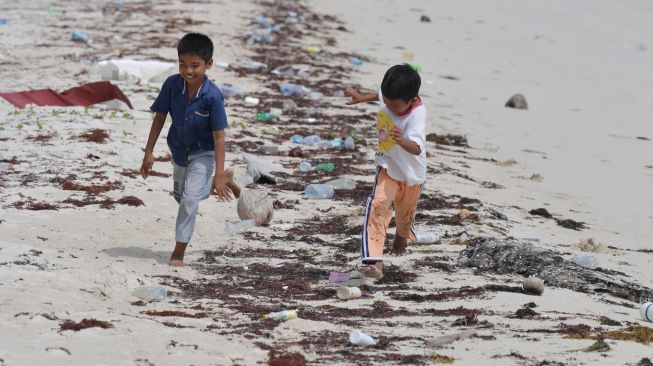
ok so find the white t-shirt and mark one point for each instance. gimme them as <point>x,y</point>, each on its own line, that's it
<point>400,164</point>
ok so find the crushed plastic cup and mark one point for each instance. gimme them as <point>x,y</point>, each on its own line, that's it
<point>586,261</point>
<point>347,293</point>
<point>426,238</point>
<point>358,338</point>
<point>150,293</point>
<point>298,139</point>
<point>339,277</point>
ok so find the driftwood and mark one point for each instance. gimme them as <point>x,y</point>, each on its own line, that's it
<point>507,256</point>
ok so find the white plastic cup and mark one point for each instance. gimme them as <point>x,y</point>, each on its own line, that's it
<point>646,311</point>
<point>359,338</point>
<point>346,293</point>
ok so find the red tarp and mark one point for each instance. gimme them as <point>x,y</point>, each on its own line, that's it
<point>84,95</point>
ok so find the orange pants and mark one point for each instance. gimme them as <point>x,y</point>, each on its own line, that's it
<point>387,194</point>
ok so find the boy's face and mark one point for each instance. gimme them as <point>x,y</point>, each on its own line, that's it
<point>397,106</point>
<point>192,68</point>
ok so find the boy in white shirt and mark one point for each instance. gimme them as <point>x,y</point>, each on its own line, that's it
<point>400,161</point>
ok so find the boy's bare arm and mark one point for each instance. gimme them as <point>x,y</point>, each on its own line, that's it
<point>155,131</point>
<point>219,186</point>
<point>357,97</point>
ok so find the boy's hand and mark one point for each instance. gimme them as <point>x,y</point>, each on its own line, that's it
<point>397,135</point>
<point>356,97</point>
<point>220,189</point>
<point>148,162</point>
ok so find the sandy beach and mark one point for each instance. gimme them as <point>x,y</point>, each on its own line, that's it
<point>80,229</point>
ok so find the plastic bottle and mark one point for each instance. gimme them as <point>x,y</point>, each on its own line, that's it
<point>282,315</point>
<point>305,166</point>
<point>310,111</point>
<point>268,149</point>
<point>347,293</point>
<point>298,139</point>
<point>349,143</point>
<point>337,142</point>
<point>327,167</point>
<point>253,65</point>
<point>316,96</point>
<point>262,20</point>
<point>289,105</point>
<point>356,61</point>
<point>265,117</point>
<point>240,226</point>
<point>586,261</point>
<point>79,36</point>
<point>311,140</point>
<point>294,89</point>
<point>342,183</point>
<point>3,21</point>
<point>318,191</point>
<point>150,293</point>
<point>426,238</point>
<point>229,90</point>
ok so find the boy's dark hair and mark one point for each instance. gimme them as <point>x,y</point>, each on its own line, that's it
<point>196,44</point>
<point>401,82</point>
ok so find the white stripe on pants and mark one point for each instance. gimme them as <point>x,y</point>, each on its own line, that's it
<point>191,185</point>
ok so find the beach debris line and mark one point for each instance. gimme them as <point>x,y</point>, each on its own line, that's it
<point>448,139</point>
<point>83,95</point>
<point>509,256</point>
<point>517,101</point>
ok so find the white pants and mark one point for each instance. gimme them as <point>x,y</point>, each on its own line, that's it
<point>191,185</point>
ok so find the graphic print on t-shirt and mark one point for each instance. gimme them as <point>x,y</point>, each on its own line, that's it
<point>384,125</point>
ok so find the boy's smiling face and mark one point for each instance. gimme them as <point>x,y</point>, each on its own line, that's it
<point>192,68</point>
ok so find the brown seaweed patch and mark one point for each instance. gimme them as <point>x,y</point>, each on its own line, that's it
<point>96,135</point>
<point>85,323</point>
<point>130,201</point>
<point>69,184</point>
<point>32,205</point>
<point>450,294</point>
<point>286,359</point>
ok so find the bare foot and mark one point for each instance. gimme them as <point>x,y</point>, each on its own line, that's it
<point>231,182</point>
<point>177,257</point>
<point>374,271</point>
<point>176,262</point>
<point>399,245</point>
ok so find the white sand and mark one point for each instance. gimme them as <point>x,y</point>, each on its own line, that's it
<point>579,67</point>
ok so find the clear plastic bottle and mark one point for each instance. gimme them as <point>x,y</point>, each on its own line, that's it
<point>337,142</point>
<point>150,293</point>
<point>318,191</point>
<point>356,61</point>
<point>305,166</point>
<point>229,90</point>
<point>316,96</point>
<point>342,183</point>
<point>349,143</point>
<point>282,315</point>
<point>311,140</point>
<point>294,89</point>
<point>426,238</point>
<point>240,226</point>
